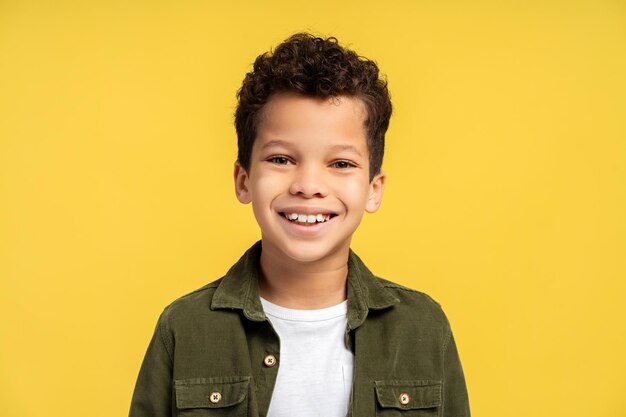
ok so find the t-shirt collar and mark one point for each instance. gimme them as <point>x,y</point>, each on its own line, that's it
<point>239,289</point>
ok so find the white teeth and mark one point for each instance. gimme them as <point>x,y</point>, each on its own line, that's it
<point>308,218</point>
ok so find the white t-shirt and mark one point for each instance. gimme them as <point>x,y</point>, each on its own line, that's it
<point>315,366</point>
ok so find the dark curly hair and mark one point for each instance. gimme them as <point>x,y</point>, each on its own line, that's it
<point>315,67</point>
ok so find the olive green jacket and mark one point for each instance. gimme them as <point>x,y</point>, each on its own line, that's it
<point>208,354</point>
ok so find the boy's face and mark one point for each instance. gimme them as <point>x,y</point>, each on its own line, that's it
<point>308,180</point>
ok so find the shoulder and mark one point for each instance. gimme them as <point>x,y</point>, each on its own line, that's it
<point>196,302</point>
<point>415,303</point>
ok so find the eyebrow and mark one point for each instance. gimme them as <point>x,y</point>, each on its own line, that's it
<point>276,143</point>
<point>286,144</point>
<point>348,148</point>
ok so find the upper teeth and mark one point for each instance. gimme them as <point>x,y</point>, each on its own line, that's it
<point>308,218</point>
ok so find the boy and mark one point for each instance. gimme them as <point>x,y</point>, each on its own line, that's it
<point>299,326</point>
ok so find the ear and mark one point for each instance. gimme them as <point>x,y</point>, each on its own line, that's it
<point>376,188</point>
<point>241,184</point>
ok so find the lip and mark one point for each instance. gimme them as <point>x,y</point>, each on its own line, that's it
<point>297,229</point>
<point>306,210</point>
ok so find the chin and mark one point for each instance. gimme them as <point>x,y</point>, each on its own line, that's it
<point>307,257</point>
<point>309,252</point>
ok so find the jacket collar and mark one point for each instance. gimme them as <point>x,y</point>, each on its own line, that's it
<point>239,289</point>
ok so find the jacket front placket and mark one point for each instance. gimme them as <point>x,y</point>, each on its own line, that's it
<point>240,290</point>
<point>364,293</point>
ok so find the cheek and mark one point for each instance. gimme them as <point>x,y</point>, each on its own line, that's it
<point>265,190</point>
<point>354,194</point>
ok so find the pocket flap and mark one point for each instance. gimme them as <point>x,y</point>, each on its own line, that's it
<point>409,394</point>
<point>197,392</point>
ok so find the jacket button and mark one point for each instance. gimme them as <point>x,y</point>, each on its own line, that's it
<point>269,360</point>
<point>404,398</point>
<point>215,397</point>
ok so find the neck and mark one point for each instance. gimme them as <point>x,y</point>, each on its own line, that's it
<point>303,285</point>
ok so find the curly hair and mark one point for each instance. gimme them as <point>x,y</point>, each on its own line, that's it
<point>314,67</point>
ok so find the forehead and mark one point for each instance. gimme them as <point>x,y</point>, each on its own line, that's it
<point>293,116</point>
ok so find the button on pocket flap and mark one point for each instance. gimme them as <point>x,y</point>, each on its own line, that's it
<point>409,394</point>
<point>215,392</point>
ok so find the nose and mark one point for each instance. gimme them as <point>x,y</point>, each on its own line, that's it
<point>309,182</point>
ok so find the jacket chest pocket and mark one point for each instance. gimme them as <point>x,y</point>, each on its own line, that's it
<point>212,397</point>
<point>408,398</point>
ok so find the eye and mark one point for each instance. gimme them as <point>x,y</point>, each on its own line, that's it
<point>343,164</point>
<point>279,160</point>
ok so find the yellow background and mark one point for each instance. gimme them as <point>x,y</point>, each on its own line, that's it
<point>505,201</point>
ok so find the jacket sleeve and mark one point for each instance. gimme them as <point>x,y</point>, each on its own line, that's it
<point>455,398</point>
<point>152,396</point>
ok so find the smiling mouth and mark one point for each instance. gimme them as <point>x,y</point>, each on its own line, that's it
<point>308,219</point>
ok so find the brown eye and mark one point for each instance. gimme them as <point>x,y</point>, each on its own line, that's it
<point>342,164</point>
<point>279,160</point>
